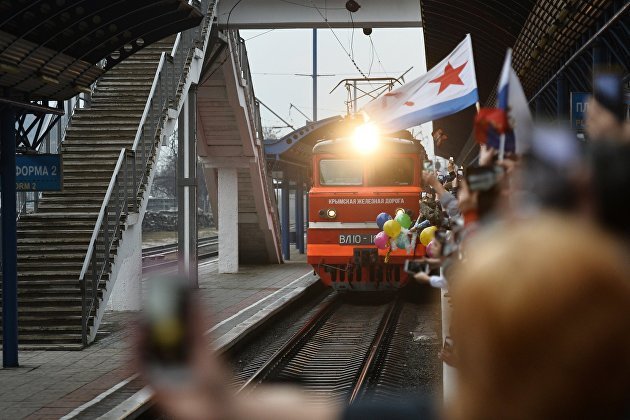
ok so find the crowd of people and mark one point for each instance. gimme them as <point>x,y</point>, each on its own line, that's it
<point>533,250</point>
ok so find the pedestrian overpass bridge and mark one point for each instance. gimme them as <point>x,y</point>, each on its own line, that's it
<point>80,252</point>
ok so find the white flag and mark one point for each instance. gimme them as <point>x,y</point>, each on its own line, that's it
<point>446,89</point>
<point>511,98</point>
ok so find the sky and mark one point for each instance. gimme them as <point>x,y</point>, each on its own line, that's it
<point>277,57</point>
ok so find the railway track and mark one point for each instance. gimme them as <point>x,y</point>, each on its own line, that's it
<point>164,256</point>
<point>339,347</point>
<point>337,354</point>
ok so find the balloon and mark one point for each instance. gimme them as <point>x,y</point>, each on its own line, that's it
<point>403,219</point>
<point>427,235</point>
<point>433,249</point>
<point>381,240</point>
<point>381,219</point>
<point>391,228</point>
<point>402,241</point>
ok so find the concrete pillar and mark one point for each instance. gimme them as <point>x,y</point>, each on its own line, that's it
<point>187,189</point>
<point>228,220</point>
<point>127,292</point>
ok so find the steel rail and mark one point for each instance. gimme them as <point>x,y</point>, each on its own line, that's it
<point>300,336</point>
<point>153,250</point>
<point>376,347</point>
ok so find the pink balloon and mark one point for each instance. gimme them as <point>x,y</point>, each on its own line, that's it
<point>433,249</point>
<point>381,240</point>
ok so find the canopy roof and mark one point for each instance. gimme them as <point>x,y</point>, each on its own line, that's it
<point>53,49</point>
<point>542,33</point>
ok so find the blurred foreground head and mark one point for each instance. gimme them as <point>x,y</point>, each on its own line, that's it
<point>541,324</point>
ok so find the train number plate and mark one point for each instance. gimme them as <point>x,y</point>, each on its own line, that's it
<point>356,239</point>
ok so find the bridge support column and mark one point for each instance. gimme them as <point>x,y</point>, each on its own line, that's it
<point>9,240</point>
<point>228,220</point>
<point>284,216</point>
<point>299,214</point>
<point>127,292</point>
<point>187,189</point>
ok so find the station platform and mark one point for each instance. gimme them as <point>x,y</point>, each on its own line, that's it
<point>69,384</point>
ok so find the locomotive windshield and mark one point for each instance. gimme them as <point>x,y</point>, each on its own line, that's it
<point>391,171</point>
<point>340,172</point>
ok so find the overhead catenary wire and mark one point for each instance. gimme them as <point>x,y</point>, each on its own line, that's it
<point>377,56</point>
<point>260,34</point>
<point>339,41</point>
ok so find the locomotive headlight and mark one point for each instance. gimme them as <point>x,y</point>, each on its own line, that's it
<point>366,138</point>
<point>328,213</point>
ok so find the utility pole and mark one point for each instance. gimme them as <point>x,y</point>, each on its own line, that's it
<point>314,74</point>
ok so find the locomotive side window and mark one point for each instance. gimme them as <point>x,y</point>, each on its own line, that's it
<point>340,172</point>
<point>391,171</point>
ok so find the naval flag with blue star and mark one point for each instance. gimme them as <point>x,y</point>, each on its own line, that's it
<point>447,88</point>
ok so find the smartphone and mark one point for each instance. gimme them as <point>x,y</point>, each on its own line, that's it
<point>482,178</point>
<point>415,266</point>
<point>167,324</point>
<point>428,165</point>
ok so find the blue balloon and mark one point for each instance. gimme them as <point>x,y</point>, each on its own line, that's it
<point>381,219</point>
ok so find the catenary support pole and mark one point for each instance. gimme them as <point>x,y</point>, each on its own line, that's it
<point>314,74</point>
<point>299,214</point>
<point>284,215</point>
<point>9,241</point>
<point>187,189</point>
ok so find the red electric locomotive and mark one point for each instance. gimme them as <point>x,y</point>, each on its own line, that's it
<point>354,181</point>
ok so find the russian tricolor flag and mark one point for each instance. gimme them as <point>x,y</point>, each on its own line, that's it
<point>447,88</point>
<point>511,99</point>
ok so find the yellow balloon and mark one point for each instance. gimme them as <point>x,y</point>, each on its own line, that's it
<point>427,235</point>
<point>391,228</point>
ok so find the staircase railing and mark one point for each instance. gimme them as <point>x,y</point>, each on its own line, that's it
<point>239,54</point>
<point>132,171</point>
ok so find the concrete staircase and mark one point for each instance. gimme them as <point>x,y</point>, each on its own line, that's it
<point>52,243</point>
<point>226,136</point>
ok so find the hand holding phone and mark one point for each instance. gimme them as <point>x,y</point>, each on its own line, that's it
<point>416,266</point>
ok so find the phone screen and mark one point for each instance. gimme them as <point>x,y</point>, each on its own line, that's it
<point>167,320</point>
<point>413,266</point>
<point>481,179</point>
<point>428,165</point>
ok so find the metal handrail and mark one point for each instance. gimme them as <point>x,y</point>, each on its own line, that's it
<point>130,174</point>
<point>101,214</point>
<point>147,106</point>
<point>238,51</point>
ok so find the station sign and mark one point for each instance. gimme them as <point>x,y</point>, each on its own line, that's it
<point>579,104</point>
<point>38,172</point>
